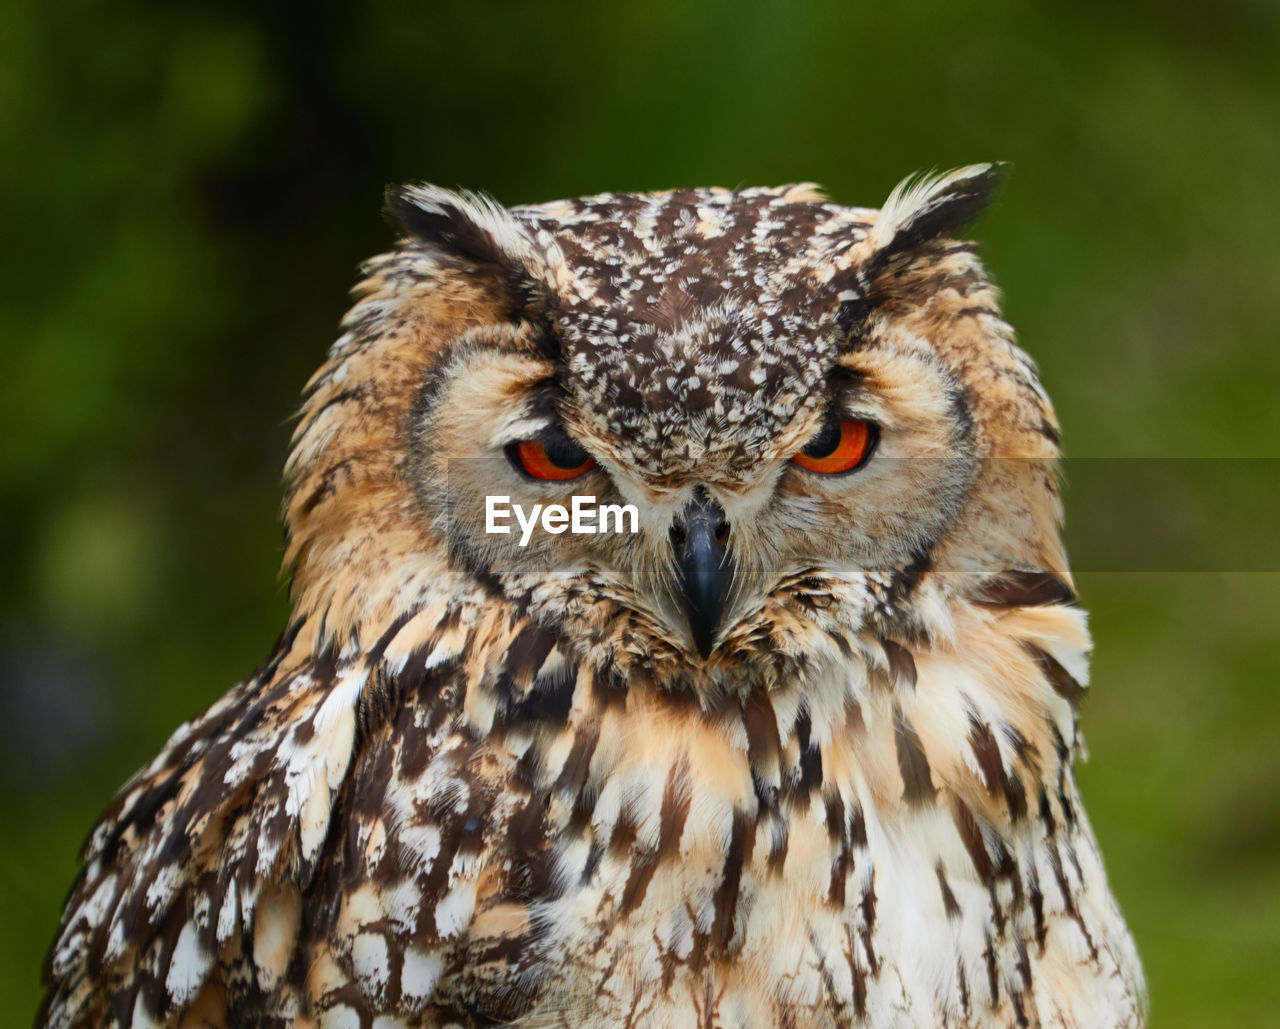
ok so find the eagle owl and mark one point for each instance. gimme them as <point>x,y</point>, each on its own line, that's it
<point>796,751</point>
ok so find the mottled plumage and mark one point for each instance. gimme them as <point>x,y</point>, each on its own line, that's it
<point>482,784</point>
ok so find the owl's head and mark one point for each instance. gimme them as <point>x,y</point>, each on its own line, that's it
<point>817,413</point>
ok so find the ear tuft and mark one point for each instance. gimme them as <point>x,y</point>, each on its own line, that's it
<point>923,207</point>
<point>463,224</point>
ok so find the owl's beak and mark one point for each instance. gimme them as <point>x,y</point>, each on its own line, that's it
<point>700,535</point>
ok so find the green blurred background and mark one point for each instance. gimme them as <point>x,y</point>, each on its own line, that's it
<point>187,189</point>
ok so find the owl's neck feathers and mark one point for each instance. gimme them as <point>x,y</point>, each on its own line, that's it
<point>974,709</point>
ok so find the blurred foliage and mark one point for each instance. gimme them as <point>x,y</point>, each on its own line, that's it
<point>188,187</point>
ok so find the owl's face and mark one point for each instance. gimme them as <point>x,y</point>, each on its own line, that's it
<point>807,405</point>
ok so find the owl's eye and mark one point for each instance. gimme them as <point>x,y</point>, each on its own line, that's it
<point>841,446</point>
<point>552,457</point>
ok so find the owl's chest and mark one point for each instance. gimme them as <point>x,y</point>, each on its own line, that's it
<point>700,876</point>
<point>797,863</point>
<point>715,924</point>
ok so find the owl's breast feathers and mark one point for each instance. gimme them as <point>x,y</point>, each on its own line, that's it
<point>463,822</point>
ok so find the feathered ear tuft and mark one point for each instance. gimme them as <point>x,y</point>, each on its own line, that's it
<point>923,207</point>
<point>462,224</point>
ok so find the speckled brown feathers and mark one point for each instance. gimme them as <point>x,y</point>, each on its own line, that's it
<point>478,783</point>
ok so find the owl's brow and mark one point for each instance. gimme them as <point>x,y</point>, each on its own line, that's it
<point>545,398</point>
<point>847,385</point>
<point>842,376</point>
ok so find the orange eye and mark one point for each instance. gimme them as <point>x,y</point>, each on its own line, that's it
<point>840,447</point>
<point>555,458</point>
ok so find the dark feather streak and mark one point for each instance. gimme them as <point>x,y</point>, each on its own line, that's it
<point>917,783</point>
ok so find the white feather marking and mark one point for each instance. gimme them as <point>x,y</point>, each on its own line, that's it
<point>142,1018</point>
<point>317,768</point>
<point>453,913</point>
<point>227,913</point>
<point>422,842</point>
<point>420,972</point>
<point>370,960</point>
<point>189,967</point>
<point>403,903</point>
<point>115,942</point>
<point>444,650</point>
<point>570,862</point>
<point>162,886</point>
<point>99,904</point>
<point>608,805</point>
<point>341,1017</point>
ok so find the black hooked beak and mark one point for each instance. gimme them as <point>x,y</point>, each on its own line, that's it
<point>700,536</point>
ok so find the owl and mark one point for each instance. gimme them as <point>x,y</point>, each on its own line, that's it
<point>792,746</point>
